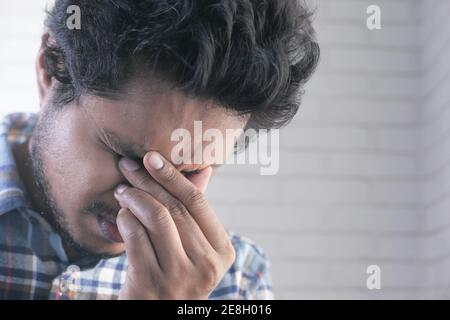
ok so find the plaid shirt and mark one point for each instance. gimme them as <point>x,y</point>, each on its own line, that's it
<point>33,264</point>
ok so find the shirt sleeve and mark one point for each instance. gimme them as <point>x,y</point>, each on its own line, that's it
<point>262,289</point>
<point>249,276</point>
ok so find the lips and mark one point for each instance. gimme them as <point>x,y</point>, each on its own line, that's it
<point>108,226</point>
<point>110,215</point>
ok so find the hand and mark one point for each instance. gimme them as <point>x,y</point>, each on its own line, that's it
<point>176,246</point>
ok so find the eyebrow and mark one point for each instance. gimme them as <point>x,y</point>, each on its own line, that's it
<point>128,149</point>
<point>132,150</point>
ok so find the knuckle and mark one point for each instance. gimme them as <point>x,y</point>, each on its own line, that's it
<point>169,175</point>
<point>177,209</point>
<point>211,272</point>
<point>229,253</point>
<point>195,197</point>
<point>160,215</point>
<point>135,234</point>
<point>142,180</point>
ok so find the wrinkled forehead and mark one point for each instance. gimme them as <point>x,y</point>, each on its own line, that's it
<point>151,120</point>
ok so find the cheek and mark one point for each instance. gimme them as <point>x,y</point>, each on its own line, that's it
<point>82,173</point>
<point>87,168</point>
<point>83,180</point>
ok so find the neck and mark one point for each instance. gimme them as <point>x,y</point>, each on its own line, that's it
<point>22,158</point>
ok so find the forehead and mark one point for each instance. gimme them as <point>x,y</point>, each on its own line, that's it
<point>145,117</point>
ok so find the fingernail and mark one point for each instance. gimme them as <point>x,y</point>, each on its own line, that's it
<point>121,188</point>
<point>155,161</point>
<point>128,164</point>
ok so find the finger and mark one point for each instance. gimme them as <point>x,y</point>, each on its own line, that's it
<point>193,240</point>
<point>158,223</point>
<point>140,252</point>
<point>192,198</point>
<point>139,177</point>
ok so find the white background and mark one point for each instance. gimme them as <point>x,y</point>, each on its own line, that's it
<point>364,176</point>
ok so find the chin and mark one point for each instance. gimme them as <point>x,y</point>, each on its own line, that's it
<point>95,246</point>
<point>111,249</point>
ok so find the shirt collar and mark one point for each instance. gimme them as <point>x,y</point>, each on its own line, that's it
<point>14,128</point>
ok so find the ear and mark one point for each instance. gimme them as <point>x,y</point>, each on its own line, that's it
<point>44,80</point>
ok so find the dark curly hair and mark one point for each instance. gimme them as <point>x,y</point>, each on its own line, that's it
<point>251,56</point>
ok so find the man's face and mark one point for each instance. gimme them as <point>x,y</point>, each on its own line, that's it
<point>75,154</point>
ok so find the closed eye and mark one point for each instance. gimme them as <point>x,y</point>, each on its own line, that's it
<point>188,174</point>
<point>119,153</point>
<point>195,172</point>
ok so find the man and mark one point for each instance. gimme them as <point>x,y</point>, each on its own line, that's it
<point>92,206</point>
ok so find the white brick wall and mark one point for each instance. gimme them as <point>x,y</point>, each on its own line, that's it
<point>347,192</point>
<point>434,149</point>
<point>21,24</point>
<point>364,176</point>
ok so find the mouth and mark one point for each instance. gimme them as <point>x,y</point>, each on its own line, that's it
<point>108,226</point>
